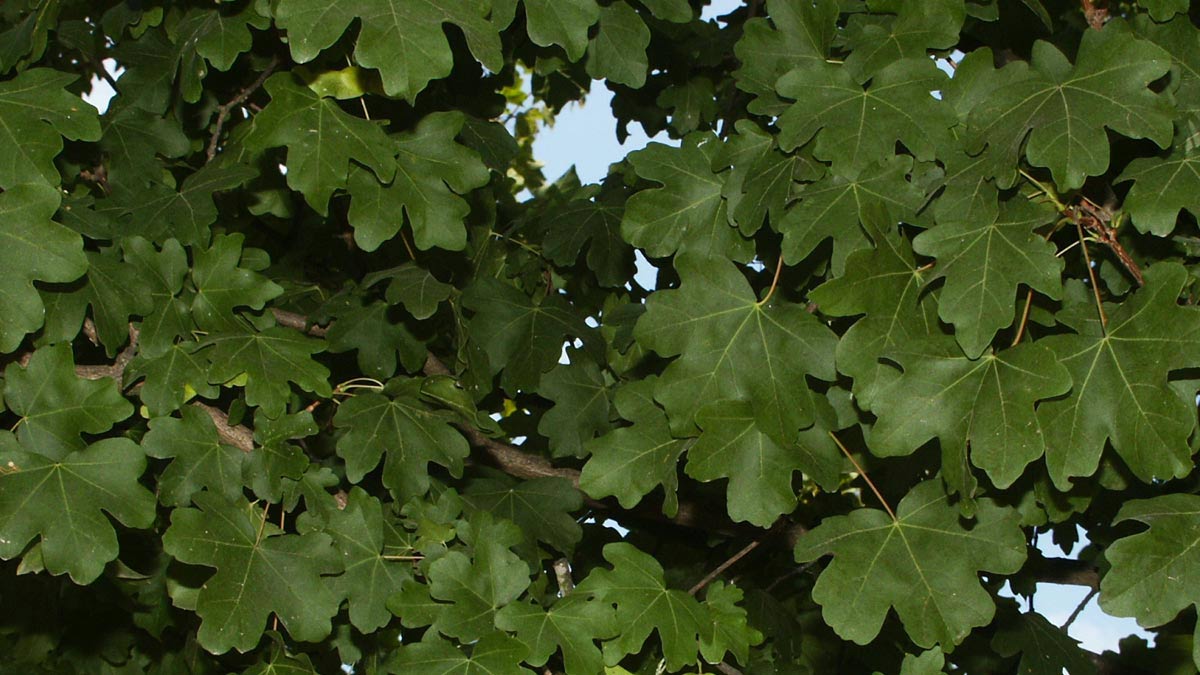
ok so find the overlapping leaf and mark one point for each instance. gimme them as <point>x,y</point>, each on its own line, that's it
<point>60,501</point>
<point>199,460</point>
<point>541,507</point>
<point>404,39</point>
<point>618,51</point>
<point>1064,109</point>
<point>1162,187</point>
<point>930,576</point>
<point>224,282</point>
<point>494,654</point>
<point>572,625</point>
<point>270,360</point>
<point>359,534</point>
<point>731,346</point>
<point>1120,392</point>
<point>552,22</point>
<point>797,34</point>
<point>36,112</point>
<point>259,572</point>
<point>1045,648</point>
<point>580,412</point>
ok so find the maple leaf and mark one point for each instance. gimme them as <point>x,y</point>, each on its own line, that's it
<point>1162,187</point>
<point>541,507</point>
<point>1045,648</point>
<point>731,632</point>
<point>114,290</point>
<point>370,577</point>
<point>321,139</point>
<point>404,39</point>
<point>429,169</point>
<point>1064,109</point>
<point>32,247</point>
<point>762,179</point>
<point>572,624</point>
<point>552,22</point>
<point>691,104</point>
<point>835,205</point>
<point>857,127</point>
<point>171,378</point>
<point>731,346</point>
<point>377,339</point>
<point>162,272</point>
<point>886,284</point>
<point>269,359</point>
<point>259,571</point>
<point>927,571</point>
<point>618,51</point>
<point>199,460</point>
<point>56,407</point>
<point>687,213</point>
<point>60,499</point>
<point>985,403</point>
<point>759,469</point>
<point>636,587</point>
<point>582,403</point>
<point>37,112</point>
<point>876,41</point>
<point>1120,392</point>
<point>412,286</point>
<point>158,210</point>
<point>274,460</point>
<point>594,219</point>
<point>223,283</point>
<point>406,429</point>
<point>983,264</point>
<point>520,335</point>
<point>1154,573</point>
<point>133,140</point>
<point>629,462</point>
<point>494,654</point>
<point>796,34</point>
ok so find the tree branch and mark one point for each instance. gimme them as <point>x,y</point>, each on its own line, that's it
<point>223,109</point>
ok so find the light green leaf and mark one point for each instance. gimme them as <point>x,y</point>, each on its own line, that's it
<point>731,346</point>
<point>404,39</point>
<point>1121,393</point>
<point>931,575</point>
<point>321,138</point>
<point>260,572</point>
<point>688,212</point>
<point>635,585</point>
<point>32,247</point>
<point>37,112</point>
<point>59,500</point>
<point>270,360</point>
<point>1063,110</point>
<point>56,407</point>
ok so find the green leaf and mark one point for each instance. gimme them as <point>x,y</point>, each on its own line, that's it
<point>986,404</point>
<point>409,432</point>
<point>928,663</point>
<point>676,11</point>
<point>223,283</point>
<point>412,286</point>
<point>163,273</point>
<point>731,633</point>
<point>259,572</point>
<point>930,578</point>
<point>134,139</point>
<point>984,263</point>
<point>404,39</point>
<point>1164,10</point>
<point>692,104</point>
<point>759,469</point>
<point>494,654</point>
<point>553,22</point>
<point>541,507</point>
<point>1045,648</point>
<point>835,205</point>
<point>38,112</point>
<point>618,51</point>
<point>32,248</point>
<point>159,211</point>
<point>116,292</point>
<point>1120,392</point>
<point>635,585</point>
<point>918,27</point>
<point>573,624</point>
<point>581,409</point>
<point>172,378</point>
<point>478,586</point>
<point>797,34</point>
<point>1153,574</point>
<point>359,534</point>
<point>59,500</point>
<point>522,336</point>
<point>1064,109</point>
<point>731,346</point>
<point>270,360</point>
<point>275,460</point>
<point>629,462</point>
<point>857,127</point>
<point>321,139</point>
<point>56,407</point>
<point>688,212</point>
<point>430,169</point>
<point>377,339</point>
<point>761,181</point>
<point>596,219</point>
<point>199,460</point>
<point>1162,186</point>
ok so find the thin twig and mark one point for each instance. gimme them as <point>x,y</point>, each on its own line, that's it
<point>1087,260</point>
<point>725,565</point>
<point>879,495</point>
<point>1079,608</point>
<point>774,281</point>
<point>223,110</point>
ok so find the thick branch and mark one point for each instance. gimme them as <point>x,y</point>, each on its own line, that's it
<point>1062,571</point>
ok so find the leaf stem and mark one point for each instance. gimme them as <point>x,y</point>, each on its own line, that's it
<point>1024,319</point>
<point>878,495</point>
<point>1087,260</point>
<point>774,281</point>
<point>725,565</point>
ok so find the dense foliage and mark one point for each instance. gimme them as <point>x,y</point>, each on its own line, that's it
<point>309,366</point>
